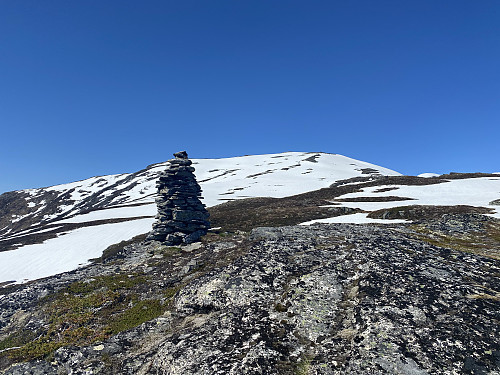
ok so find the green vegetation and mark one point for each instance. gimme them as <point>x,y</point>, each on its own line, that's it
<point>419,212</point>
<point>86,312</point>
<point>303,366</point>
<point>40,348</point>
<point>108,282</point>
<point>485,243</point>
<point>16,339</point>
<point>167,251</point>
<point>116,249</point>
<point>493,232</point>
<point>141,312</point>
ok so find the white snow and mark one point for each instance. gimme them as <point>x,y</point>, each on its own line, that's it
<point>67,251</point>
<point>22,233</point>
<point>113,213</point>
<point>427,175</point>
<point>16,218</point>
<point>357,218</point>
<point>274,175</point>
<point>472,192</point>
<point>91,184</point>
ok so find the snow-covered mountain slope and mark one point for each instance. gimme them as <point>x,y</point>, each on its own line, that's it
<point>472,191</point>
<point>55,229</point>
<point>475,191</point>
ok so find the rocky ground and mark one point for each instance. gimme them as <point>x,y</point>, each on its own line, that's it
<point>411,299</point>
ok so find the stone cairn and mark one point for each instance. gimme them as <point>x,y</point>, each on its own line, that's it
<point>182,218</point>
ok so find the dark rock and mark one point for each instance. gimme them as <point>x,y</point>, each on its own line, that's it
<point>181,155</point>
<point>459,223</point>
<point>32,368</point>
<point>195,236</point>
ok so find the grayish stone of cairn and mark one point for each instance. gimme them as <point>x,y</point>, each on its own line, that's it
<point>181,218</point>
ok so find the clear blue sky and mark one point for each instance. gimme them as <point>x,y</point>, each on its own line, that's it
<point>92,87</point>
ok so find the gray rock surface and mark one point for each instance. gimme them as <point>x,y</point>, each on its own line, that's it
<point>325,299</point>
<point>32,368</point>
<point>459,223</point>
<point>182,218</point>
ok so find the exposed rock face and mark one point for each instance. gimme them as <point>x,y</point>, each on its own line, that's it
<point>326,300</point>
<point>182,218</point>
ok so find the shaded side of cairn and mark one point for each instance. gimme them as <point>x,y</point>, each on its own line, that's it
<point>181,218</point>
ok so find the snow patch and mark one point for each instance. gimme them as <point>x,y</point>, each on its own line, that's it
<point>113,213</point>
<point>428,175</point>
<point>358,218</point>
<point>66,252</point>
<point>471,192</point>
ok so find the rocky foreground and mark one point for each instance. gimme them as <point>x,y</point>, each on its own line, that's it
<point>324,299</point>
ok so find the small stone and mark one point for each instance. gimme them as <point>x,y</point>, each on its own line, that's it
<point>181,155</point>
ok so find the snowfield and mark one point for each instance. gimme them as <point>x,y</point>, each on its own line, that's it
<point>277,176</point>
<point>66,252</point>
<point>113,213</point>
<point>472,192</point>
<point>358,218</point>
<point>427,175</point>
<point>477,192</point>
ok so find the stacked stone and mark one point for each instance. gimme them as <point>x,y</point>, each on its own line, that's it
<point>182,218</point>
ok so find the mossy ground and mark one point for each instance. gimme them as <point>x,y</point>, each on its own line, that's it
<point>17,339</point>
<point>91,310</point>
<point>303,366</point>
<point>116,250</point>
<point>86,312</point>
<point>423,212</point>
<point>486,243</point>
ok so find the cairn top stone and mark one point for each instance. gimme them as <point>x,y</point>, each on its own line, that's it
<point>181,155</point>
